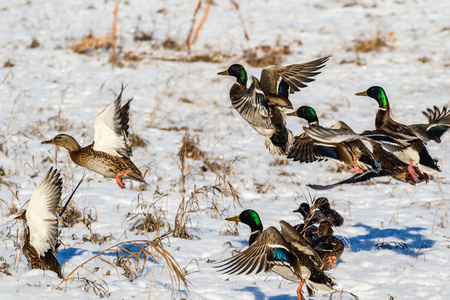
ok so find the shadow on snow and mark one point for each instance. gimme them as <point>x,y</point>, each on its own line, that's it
<point>406,241</point>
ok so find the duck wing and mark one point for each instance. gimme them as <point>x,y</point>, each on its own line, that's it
<point>358,177</point>
<point>111,129</point>
<point>295,76</point>
<point>41,213</point>
<point>252,105</point>
<point>305,149</point>
<point>268,250</point>
<point>438,124</point>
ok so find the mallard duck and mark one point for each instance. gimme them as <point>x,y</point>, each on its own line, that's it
<point>260,104</point>
<point>330,214</point>
<point>410,139</point>
<point>286,253</point>
<point>110,152</point>
<point>310,216</point>
<point>40,236</point>
<point>306,149</point>
<point>307,229</point>
<point>410,151</point>
<point>390,166</point>
<point>329,247</point>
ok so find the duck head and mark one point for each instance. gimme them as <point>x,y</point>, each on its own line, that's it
<point>304,209</point>
<point>237,71</point>
<point>306,112</point>
<point>65,141</point>
<point>377,93</point>
<point>249,217</point>
<point>322,203</point>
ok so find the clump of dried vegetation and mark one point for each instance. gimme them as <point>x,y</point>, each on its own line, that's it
<point>221,190</point>
<point>181,49</point>
<point>149,217</point>
<point>133,257</point>
<point>4,266</point>
<point>266,55</point>
<point>381,40</point>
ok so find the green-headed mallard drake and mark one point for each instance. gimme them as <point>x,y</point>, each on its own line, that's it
<point>110,152</point>
<point>286,253</point>
<point>410,139</point>
<point>260,104</point>
<point>306,149</point>
<point>40,236</point>
<point>329,247</point>
<point>330,214</point>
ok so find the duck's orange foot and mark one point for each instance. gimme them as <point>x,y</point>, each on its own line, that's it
<point>333,262</point>
<point>412,172</point>
<point>119,181</point>
<point>355,166</point>
<point>299,290</point>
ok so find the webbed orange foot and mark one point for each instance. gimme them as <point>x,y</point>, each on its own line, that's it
<point>412,172</point>
<point>119,181</point>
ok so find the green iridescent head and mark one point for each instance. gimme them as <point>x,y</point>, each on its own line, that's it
<point>377,93</point>
<point>305,112</point>
<point>237,71</point>
<point>249,217</point>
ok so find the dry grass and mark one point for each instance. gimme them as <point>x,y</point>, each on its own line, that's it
<point>376,43</point>
<point>189,201</point>
<point>136,141</point>
<point>90,43</point>
<point>4,266</point>
<point>149,217</point>
<point>266,55</point>
<point>97,238</point>
<point>71,216</point>
<point>133,258</point>
<point>191,148</point>
<point>8,64</point>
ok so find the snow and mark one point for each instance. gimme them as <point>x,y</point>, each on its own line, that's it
<point>50,90</point>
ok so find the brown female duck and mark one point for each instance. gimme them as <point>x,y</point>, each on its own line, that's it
<point>40,236</point>
<point>329,247</point>
<point>110,152</point>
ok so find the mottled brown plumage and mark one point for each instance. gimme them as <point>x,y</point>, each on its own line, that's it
<point>110,152</point>
<point>40,236</point>
<point>328,247</point>
<point>46,262</point>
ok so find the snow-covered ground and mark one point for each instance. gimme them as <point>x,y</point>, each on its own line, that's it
<point>50,89</point>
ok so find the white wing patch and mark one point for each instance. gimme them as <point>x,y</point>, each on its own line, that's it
<point>41,213</point>
<point>109,136</point>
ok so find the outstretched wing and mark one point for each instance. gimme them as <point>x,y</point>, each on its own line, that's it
<point>439,124</point>
<point>252,105</point>
<point>268,250</point>
<point>305,149</point>
<point>41,213</point>
<point>295,75</point>
<point>111,129</point>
